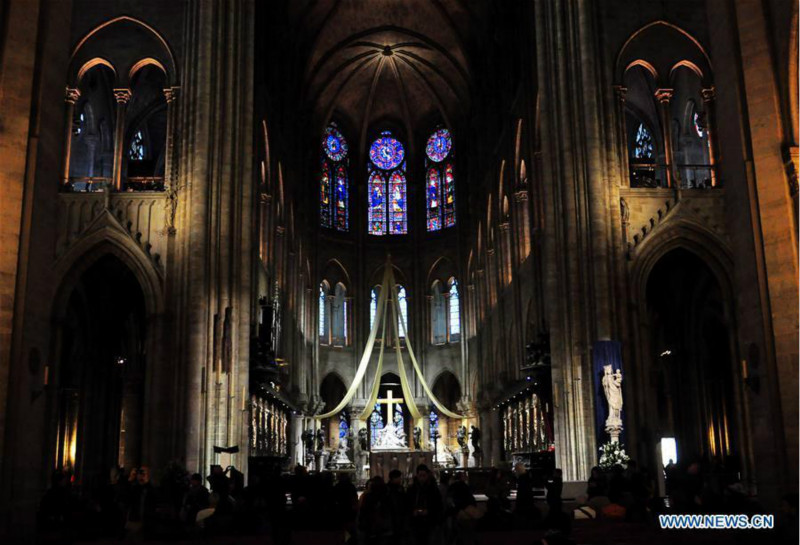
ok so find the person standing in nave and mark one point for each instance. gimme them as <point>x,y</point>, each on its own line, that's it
<point>426,506</point>
<point>525,513</point>
<point>398,507</point>
<point>142,510</point>
<point>195,499</point>
<point>554,487</point>
<point>345,500</point>
<point>375,517</point>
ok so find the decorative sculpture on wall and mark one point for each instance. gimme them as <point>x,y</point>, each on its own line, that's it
<point>475,437</point>
<point>612,387</point>
<point>417,438</point>
<point>461,437</point>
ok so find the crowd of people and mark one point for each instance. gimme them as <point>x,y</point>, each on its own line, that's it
<point>401,510</point>
<point>411,510</point>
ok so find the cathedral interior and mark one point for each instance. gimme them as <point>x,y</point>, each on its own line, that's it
<point>266,234</point>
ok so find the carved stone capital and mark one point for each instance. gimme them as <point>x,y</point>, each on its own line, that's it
<point>72,95</point>
<point>664,95</point>
<point>505,226</point>
<point>621,91</point>
<point>279,230</point>
<point>122,96</point>
<point>171,94</point>
<point>521,196</point>
<point>708,94</point>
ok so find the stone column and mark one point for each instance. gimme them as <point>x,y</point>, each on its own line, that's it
<point>622,135</point>
<point>506,250</point>
<point>664,96</point>
<point>524,223</point>
<point>70,99</point>
<point>711,131</point>
<point>171,96</point>
<point>123,96</point>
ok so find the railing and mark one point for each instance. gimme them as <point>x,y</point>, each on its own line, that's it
<point>651,175</point>
<point>87,184</point>
<point>697,176</point>
<point>648,175</point>
<point>93,184</point>
<point>145,183</point>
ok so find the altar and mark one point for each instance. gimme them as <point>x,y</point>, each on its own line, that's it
<point>381,462</point>
<point>392,433</point>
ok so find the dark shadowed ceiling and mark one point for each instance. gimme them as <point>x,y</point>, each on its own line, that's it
<point>373,61</point>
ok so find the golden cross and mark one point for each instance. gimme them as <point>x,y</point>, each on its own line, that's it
<point>390,401</point>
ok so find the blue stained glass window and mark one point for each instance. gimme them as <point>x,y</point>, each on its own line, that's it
<point>344,427</point>
<point>375,424</point>
<point>386,152</point>
<point>397,219</point>
<point>439,145</point>
<point>449,196</point>
<point>340,203</point>
<point>325,195</point>
<point>376,213</point>
<point>434,200</point>
<point>334,183</point>
<point>136,152</point>
<point>643,149</point>
<point>334,144</point>
<point>698,125</point>
<point>433,427</point>
<point>387,210</point>
<point>440,182</point>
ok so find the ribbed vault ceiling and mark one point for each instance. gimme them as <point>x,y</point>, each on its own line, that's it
<point>397,61</point>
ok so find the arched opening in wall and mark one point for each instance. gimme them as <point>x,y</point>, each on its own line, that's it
<point>144,150</point>
<point>389,408</point>
<point>646,153</point>
<point>91,148</point>
<point>689,130</point>
<point>447,390</point>
<point>332,391</point>
<point>691,364</point>
<point>102,371</point>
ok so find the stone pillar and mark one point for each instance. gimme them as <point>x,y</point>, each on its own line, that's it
<point>132,418</point>
<point>171,96</point>
<point>123,96</point>
<point>523,222</point>
<point>70,99</point>
<point>711,131</point>
<point>664,96</point>
<point>622,135</point>
<point>506,250</point>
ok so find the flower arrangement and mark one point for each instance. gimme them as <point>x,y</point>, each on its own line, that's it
<point>612,454</point>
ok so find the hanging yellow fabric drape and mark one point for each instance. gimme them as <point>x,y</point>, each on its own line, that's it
<point>362,366</point>
<point>376,382</point>
<point>388,283</point>
<point>414,363</point>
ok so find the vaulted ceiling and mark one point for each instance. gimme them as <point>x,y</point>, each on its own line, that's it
<point>403,62</point>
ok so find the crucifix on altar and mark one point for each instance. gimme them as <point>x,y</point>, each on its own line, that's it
<point>390,401</point>
<point>381,422</point>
